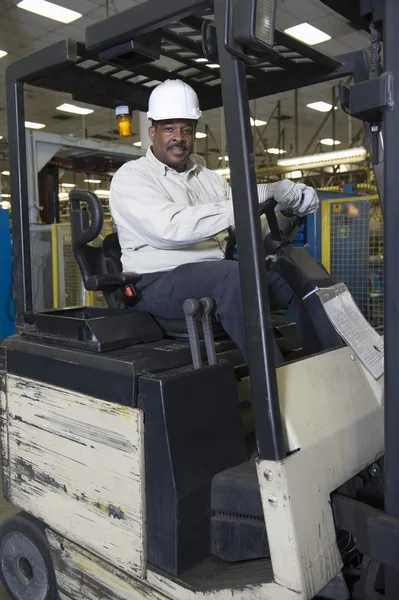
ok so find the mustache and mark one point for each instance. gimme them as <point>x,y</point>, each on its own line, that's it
<point>180,146</point>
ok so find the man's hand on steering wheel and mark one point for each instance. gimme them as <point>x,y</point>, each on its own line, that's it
<point>295,198</point>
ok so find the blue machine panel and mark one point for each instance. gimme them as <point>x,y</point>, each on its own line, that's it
<point>7,324</point>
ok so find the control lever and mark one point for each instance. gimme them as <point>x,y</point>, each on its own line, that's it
<point>191,307</point>
<point>208,306</point>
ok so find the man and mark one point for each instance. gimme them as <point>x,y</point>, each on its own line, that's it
<point>172,218</point>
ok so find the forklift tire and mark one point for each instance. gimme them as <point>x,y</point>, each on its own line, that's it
<point>26,569</point>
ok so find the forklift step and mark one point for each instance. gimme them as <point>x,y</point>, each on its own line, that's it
<point>238,531</point>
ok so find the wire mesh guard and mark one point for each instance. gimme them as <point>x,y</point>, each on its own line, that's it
<point>42,267</point>
<point>352,250</point>
<point>71,291</point>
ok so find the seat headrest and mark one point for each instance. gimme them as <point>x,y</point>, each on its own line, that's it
<point>86,225</point>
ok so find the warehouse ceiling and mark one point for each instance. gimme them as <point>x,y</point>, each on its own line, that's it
<point>22,33</point>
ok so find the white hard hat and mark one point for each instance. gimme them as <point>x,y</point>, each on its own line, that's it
<point>173,99</point>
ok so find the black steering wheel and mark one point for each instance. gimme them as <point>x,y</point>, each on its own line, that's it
<point>276,238</point>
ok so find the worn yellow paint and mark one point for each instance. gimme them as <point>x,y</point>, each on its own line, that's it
<point>76,462</point>
<point>83,575</point>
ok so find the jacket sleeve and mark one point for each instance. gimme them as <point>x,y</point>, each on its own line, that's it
<point>137,204</point>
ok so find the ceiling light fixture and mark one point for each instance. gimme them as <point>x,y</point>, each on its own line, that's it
<point>92,180</point>
<point>329,142</point>
<point>225,158</point>
<point>294,175</point>
<point>276,151</point>
<point>32,125</point>
<point>213,66</point>
<point>321,106</point>
<point>257,122</point>
<point>67,185</point>
<point>5,195</point>
<point>62,195</point>
<point>104,193</point>
<point>76,110</point>
<point>138,144</point>
<point>5,172</point>
<point>3,53</point>
<point>306,33</point>
<point>199,135</point>
<point>50,10</point>
<point>325,159</point>
<point>201,60</point>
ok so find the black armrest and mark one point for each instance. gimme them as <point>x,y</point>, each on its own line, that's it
<point>113,280</point>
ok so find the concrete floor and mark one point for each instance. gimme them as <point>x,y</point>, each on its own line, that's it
<point>6,510</point>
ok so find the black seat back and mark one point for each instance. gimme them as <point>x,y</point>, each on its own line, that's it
<point>87,220</point>
<point>112,253</point>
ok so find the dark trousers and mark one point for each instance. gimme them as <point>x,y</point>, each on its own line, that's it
<point>163,295</point>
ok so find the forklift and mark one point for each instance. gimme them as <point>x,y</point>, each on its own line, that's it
<point>122,437</point>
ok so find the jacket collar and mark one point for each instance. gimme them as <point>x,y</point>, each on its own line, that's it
<point>162,168</point>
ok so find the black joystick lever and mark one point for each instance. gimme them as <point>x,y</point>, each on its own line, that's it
<point>191,308</point>
<point>208,307</point>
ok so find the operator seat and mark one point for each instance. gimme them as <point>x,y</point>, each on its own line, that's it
<point>101,266</point>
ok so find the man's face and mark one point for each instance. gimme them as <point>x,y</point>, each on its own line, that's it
<point>173,142</point>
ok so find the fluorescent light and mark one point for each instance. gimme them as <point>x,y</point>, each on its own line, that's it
<point>213,66</point>
<point>3,53</point>
<point>5,172</point>
<point>76,110</point>
<point>92,180</point>
<point>325,159</point>
<point>321,106</point>
<point>201,60</point>
<point>294,175</point>
<point>5,195</point>
<point>199,135</point>
<point>138,144</point>
<point>276,151</point>
<point>67,185</point>
<point>1,137</point>
<point>221,158</point>
<point>50,10</point>
<point>105,193</point>
<point>257,122</point>
<point>31,125</point>
<point>5,205</point>
<point>329,142</point>
<point>63,195</point>
<point>308,34</point>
